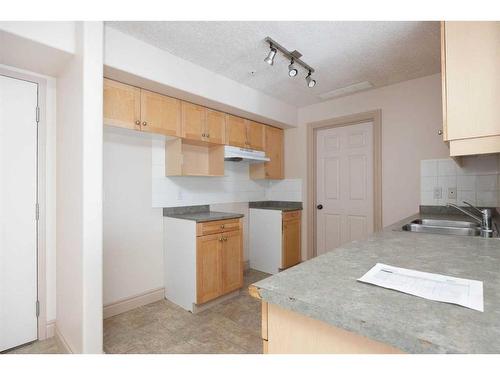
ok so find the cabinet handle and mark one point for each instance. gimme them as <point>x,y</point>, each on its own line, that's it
<point>137,122</point>
<point>222,226</point>
<point>440,132</point>
<point>203,135</point>
<point>144,123</point>
<point>225,238</point>
<point>208,135</point>
<point>220,239</point>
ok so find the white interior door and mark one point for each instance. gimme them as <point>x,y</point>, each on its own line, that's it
<point>344,185</point>
<point>18,225</point>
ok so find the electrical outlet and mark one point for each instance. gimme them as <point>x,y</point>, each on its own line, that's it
<point>452,193</point>
<point>438,192</point>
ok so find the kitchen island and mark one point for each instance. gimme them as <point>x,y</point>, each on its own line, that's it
<point>319,306</point>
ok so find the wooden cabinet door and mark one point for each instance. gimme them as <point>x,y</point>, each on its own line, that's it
<point>256,135</point>
<point>121,105</point>
<point>232,261</point>
<point>290,255</point>
<point>216,127</point>
<point>236,131</point>
<point>193,121</point>
<point>208,268</point>
<point>471,79</point>
<point>274,150</point>
<point>160,114</point>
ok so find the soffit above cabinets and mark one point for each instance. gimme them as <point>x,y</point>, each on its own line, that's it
<point>343,53</point>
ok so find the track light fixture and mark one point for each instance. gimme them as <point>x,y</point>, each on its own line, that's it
<point>295,61</point>
<point>292,70</point>
<point>310,82</point>
<point>270,56</point>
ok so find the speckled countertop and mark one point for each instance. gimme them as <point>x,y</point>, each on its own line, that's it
<point>326,288</point>
<point>276,205</point>
<point>199,214</point>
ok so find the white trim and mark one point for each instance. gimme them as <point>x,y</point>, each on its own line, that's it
<point>130,303</point>
<point>63,344</point>
<point>50,329</point>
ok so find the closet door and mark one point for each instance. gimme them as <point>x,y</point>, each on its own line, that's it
<point>18,222</point>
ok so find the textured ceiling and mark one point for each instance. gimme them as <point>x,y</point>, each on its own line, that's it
<point>343,53</point>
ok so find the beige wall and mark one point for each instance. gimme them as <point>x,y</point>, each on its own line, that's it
<point>411,117</point>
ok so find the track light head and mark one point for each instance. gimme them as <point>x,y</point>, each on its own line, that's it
<point>310,82</point>
<point>292,70</point>
<point>270,56</point>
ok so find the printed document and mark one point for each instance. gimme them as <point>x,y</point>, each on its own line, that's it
<point>464,292</point>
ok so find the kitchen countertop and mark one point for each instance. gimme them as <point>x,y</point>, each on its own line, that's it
<point>326,288</point>
<point>276,205</point>
<point>199,214</point>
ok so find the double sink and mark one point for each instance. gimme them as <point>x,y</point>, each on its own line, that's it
<point>450,227</point>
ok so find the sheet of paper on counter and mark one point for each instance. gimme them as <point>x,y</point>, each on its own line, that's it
<point>464,292</point>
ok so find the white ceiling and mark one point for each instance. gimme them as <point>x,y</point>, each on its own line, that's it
<point>343,53</point>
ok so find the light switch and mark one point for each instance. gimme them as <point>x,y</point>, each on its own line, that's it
<point>438,192</point>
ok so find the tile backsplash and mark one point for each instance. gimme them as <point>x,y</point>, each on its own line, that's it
<point>235,186</point>
<point>476,181</point>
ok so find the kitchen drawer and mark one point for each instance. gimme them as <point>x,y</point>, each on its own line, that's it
<point>219,226</point>
<point>291,215</point>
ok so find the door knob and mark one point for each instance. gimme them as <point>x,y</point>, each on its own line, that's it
<point>319,206</point>
<point>137,122</point>
<point>144,123</point>
<point>440,132</point>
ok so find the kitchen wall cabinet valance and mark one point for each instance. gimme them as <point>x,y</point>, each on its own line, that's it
<point>470,58</point>
<point>134,108</point>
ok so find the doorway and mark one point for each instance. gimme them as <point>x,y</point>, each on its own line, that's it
<point>18,212</point>
<point>344,181</point>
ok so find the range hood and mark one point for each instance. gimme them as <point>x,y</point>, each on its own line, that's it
<point>232,153</point>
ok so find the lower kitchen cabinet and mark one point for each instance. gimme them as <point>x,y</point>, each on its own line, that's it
<point>203,261</point>
<point>275,239</point>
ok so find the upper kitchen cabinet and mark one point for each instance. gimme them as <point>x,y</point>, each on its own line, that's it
<point>273,146</point>
<point>236,131</point>
<point>470,57</point>
<point>255,133</point>
<point>122,105</point>
<point>134,108</point>
<point>160,114</point>
<point>215,130</point>
<point>244,133</point>
<point>203,124</point>
<point>193,121</point>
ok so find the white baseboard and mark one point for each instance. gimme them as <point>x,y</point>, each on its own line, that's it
<point>50,329</point>
<point>62,341</point>
<point>133,302</point>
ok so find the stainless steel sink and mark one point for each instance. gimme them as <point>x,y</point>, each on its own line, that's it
<point>450,227</point>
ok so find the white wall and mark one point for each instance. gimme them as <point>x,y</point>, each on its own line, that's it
<point>133,61</point>
<point>476,180</point>
<point>133,230</point>
<point>79,182</point>
<point>411,117</point>
<point>56,34</point>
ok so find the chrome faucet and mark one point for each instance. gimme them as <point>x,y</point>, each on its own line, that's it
<point>485,219</point>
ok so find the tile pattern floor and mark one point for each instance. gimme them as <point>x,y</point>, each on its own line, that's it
<point>232,326</point>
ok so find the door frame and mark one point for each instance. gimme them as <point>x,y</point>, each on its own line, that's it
<point>375,117</point>
<point>41,227</point>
